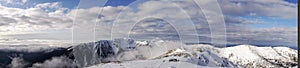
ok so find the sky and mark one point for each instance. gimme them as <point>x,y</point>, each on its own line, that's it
<point>59,22</point>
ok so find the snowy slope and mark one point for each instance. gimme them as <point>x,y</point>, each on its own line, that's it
<point>252,56</point>
<point>158,63</point>
<point>170,54</point>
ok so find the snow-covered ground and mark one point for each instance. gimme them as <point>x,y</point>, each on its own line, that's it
<point>156,63</point>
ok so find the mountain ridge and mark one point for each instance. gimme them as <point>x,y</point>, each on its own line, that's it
<point>250,55</point>
<point>130,53</point>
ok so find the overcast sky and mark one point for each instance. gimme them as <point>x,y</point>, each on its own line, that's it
<point>258,22</point>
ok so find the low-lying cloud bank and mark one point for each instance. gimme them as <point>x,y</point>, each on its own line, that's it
<point>31,56</point>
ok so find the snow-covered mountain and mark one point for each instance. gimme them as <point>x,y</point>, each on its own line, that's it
<point>249,56</point>
<point>129,53</point>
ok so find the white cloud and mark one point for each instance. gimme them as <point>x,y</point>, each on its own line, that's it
<point>20,2</point>
<point>273,8</point>
<point>35,23</point>
<point>286,36</point>
<point>56,62</point>
<point>31,19</point>
<point>123,18</point>
<point>17,62</point>
<point>49,5</point>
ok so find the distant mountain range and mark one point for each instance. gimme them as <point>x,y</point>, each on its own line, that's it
<point>120,53</point>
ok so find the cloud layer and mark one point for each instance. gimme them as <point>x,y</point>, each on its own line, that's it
<point>185,21</point>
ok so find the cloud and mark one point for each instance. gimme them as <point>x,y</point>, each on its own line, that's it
<point>237,20</point>
<point>88,22</point>
<point>56,62</point>
<point>286,36</point>
<point>19,2</point>
<point>49,5</point>
<point>14,2</point>
<point>272,8</point>
<point>17,62</point>
<point>16,19</point>
<point>28,48</point>
<point>238,31</point>
<point>36,56</point>
<point>182,17</point>
<point>34,42</point>
<point>6,21</point>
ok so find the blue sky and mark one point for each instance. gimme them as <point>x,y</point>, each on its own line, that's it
<point>32,3</point>
<point>71,3</point>
<point>292,1</point>
<point>244,18</point>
